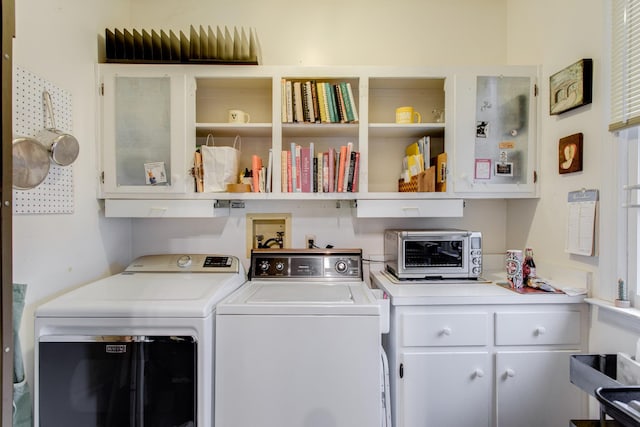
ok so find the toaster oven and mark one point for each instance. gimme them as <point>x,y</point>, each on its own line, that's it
<point>433,254</point>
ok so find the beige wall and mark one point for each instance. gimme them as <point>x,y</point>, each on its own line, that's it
<point>349,32</point>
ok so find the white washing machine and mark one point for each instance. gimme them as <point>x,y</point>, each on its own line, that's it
<point>134,349</point>
<point>300,344</point>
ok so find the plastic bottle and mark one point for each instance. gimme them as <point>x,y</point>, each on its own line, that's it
<point>528,266</point>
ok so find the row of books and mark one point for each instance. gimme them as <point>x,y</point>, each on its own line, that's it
<point>318,102</point>
<point>305,171</point>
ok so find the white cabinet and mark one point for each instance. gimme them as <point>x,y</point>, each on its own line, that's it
<point>499,365</point>
<point>533,389</point>
<point>444,389</point>
<point>145,146</point>
<point>157,115</point>
<point>495,149</point>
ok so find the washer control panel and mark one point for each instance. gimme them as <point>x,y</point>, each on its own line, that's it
<point>309,263</point>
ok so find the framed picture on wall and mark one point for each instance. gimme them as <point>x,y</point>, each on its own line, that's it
<point>570,153</point>
<point>571,87</point>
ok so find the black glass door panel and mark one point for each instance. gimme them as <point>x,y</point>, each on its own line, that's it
<point>132,382</point>
<point>440,253</point>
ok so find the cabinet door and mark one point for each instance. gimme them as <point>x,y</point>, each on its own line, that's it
<point>444,389</point>
<point>144,142</point>
<point>533,389</point>
<point>495,133</point>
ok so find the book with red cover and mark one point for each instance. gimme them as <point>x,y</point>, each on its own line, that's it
<point>347,165</point>
<point>256,166</point>
<point>341,167</point>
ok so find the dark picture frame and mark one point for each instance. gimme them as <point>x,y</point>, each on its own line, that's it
<point>571,87</point>
<point>570,153</point>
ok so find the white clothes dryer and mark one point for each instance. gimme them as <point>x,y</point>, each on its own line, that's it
<point>134,349</point>
<point>300,344</point>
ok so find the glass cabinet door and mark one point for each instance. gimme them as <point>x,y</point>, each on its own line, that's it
<point>143,132</point>
<point>495,143</point>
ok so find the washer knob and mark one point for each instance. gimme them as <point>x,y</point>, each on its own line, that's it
<point>279,266</point>
<point>184,261</point>
<point>264,265</point>
<point>341,266</point>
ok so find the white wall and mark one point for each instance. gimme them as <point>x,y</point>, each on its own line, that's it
<point>555,35</point>
<point>57,40</point>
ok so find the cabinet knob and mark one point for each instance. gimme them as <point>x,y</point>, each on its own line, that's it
<point>478,373</point>
<point>510,373</point>
<point>445,331</point>
<point>540,330</point>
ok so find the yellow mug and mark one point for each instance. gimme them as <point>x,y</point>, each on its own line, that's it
<point>406,115</point>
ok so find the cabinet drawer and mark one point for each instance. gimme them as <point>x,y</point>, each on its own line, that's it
<point>444,329</point>
<point>538,328</point>
<point>409,208</point>
<point>162,208</point>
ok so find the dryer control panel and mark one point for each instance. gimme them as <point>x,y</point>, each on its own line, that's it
<point>306,264</point>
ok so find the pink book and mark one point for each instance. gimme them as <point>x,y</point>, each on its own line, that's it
<point>325,172</point>
<point>305,172</point>
<point>332,169</point>
<point>256,165</point>
<point>289,174</point>
<point>341,168</point>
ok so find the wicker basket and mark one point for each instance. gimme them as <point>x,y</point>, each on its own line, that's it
<point>423,182</point>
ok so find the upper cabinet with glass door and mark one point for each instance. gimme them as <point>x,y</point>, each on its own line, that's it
<point>495,146</point>
<point>144,138</point>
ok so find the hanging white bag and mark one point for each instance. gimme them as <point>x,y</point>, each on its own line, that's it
<point>220,164</point>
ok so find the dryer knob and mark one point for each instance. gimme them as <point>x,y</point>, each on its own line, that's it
<point>184,261</point>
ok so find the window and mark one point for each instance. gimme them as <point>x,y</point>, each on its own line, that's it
<point>628,143</point>
<point>625,119</point>
<point>625,64</point>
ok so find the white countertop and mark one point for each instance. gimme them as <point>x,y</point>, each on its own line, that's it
<point>480,292</point>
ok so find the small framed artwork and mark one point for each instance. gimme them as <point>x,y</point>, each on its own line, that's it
<point>504,169</point>
<point>483,169</point>
<point>571,87</point>
<point>155,173</point>
<point>570,153</point>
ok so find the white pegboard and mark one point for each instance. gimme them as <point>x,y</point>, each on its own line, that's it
<point>55,194</point>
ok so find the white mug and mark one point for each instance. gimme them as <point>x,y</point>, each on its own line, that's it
<point>238,116</point>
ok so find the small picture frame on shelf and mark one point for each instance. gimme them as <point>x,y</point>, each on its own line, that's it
<point>570,154</point>
<point>571,87</point>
